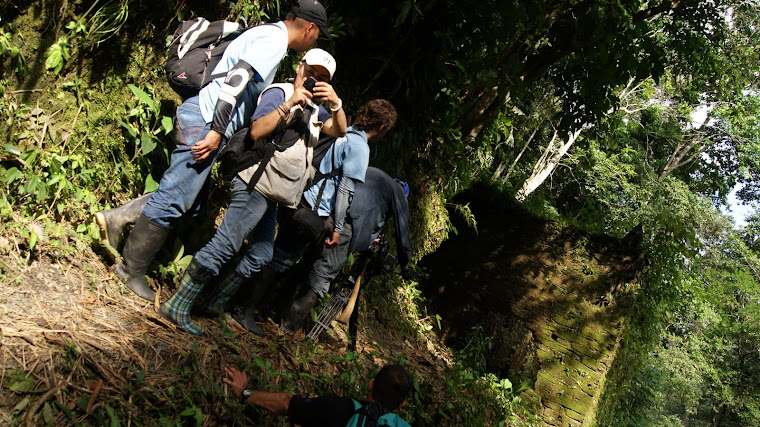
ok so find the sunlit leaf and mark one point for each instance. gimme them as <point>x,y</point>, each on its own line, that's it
<point>167,124</point>
<point>148,144</point>
<point>12,149</point>
<point>150,184</point>
<point>144,98</point>
<point>13,174</point>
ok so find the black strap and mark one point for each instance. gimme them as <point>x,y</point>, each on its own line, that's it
<point>324,182</point>
<point>268,152</point>
<point>370,413</point>
<point>272,146</point>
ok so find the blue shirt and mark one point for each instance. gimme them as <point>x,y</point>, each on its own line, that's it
<point>351,153</point>
<point>263,47</point>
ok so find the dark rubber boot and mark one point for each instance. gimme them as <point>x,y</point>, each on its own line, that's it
<point>143,244</point>
<point>298,311</point>
<point>229,287</point>
<point>177,307</point>
<point>247,318</point>
<point>112,221</point>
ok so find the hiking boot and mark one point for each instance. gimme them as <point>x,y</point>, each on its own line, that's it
<point>298,311</point>
<point>247,317</point>
<point>143,244</point>
<point>177,308</point>
<point>112,222</point>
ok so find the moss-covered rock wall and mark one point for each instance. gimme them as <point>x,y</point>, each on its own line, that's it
<point>551,301</point>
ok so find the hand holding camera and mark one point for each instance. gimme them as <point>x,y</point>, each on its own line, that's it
<point>322,92</point>
<point>309,84</point>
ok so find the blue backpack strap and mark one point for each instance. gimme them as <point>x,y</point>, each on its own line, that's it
<point>366,415</point>
<point>354,421</point>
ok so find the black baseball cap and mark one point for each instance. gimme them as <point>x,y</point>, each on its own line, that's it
<point>312,11</point>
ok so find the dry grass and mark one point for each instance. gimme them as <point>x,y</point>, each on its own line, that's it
<point>78,348</point>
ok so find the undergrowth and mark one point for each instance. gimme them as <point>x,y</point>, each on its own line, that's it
<point>84,142</point>
<point>177,380</point>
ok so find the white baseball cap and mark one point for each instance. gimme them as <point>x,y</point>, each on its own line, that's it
<point>320,57</point>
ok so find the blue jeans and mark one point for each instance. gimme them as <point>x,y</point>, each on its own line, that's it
<point>248,213</point>
<point>181,183</point>
<point>327,266</point>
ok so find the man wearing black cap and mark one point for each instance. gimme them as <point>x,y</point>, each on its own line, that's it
<point>312,11</point>
<point>204,122</point>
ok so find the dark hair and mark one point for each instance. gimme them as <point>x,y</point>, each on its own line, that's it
<point>299,22</point>
<point>391,386</point>
<point>374,114</point>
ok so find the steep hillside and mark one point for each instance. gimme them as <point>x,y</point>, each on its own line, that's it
<point>539,304</point>
<point>551,302</point>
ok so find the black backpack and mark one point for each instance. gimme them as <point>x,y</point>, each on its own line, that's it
<point>197,47</point>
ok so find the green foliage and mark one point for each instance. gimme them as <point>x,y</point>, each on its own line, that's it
<point>103,20</point>
<point>699,367</point>
<point>9,50</point>
<point>148,129</point>
<point>57,54</point>
<point>466,213</point>
<point>476,349</point>
<point>255,12</point>
<point>179,262</point>
<point>46,179</point>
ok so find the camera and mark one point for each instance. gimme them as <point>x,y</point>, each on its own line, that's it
<point>310,83</point>
<point>380,255</point>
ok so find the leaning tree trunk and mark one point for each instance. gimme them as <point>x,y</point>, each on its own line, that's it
<point>547,163</point>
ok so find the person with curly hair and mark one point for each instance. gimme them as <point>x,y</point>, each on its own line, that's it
<point>326,202</point>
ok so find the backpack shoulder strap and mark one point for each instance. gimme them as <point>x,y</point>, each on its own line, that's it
<point>320,152</point>
<point>357,404</point>
<point>288,88</point>
<point>366,415</point>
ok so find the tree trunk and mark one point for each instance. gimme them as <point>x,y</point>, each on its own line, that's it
<point>525,147</point>
<point>547,163</point>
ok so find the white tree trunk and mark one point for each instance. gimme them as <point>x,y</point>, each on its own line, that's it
<point>547,163</point>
